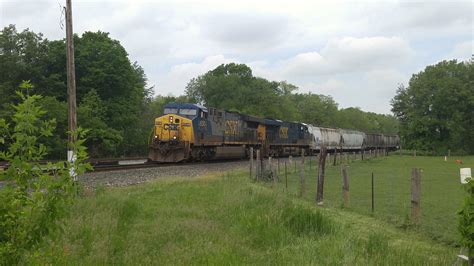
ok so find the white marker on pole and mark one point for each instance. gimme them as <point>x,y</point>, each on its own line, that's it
<point>71,157</point>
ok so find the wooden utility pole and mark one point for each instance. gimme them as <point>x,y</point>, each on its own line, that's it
<point>71,84</point>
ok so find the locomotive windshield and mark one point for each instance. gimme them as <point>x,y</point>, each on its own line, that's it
<point>187,111</point>
<point>170,111</point>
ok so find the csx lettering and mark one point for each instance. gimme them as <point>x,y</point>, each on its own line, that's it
<point>283,132</point>
<point>231,127</point>
<point>170,126</point>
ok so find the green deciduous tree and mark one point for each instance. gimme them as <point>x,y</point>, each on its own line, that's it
<point>233,87</point>
<point>436,110</point>
<point>101,139</point>
<point>102,65</point>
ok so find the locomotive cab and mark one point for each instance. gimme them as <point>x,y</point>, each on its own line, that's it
<point>173,134</point>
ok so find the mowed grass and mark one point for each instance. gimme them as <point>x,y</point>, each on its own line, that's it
<point>441,191</point>
<point>227,220</point>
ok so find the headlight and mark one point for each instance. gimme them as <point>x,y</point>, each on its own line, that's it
<point>156,137</point>
<point>174,137</point>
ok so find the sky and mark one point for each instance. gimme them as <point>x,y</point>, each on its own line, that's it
<point>358,52</point>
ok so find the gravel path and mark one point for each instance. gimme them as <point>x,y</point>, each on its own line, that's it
<point>138,176</point>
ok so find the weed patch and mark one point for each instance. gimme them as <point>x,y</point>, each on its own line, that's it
<point>305,222</point>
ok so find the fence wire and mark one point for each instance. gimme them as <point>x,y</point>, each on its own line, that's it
<point>441,192</point>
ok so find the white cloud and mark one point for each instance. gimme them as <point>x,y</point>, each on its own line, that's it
<point>245,31</point>
<point>350,55</point>
<point>327,86</point>
<point>354,51</point>
<point>462,51</point>
<point>177,78</point>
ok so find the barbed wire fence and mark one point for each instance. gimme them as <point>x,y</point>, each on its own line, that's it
<point>437,196</point>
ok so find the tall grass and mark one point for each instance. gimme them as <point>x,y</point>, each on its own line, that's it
<point>226,220</point>
<point>441,192</point>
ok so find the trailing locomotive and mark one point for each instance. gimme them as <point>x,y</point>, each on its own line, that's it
<point>191,132</point>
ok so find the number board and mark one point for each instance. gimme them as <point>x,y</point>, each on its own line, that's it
<point>170,126</point>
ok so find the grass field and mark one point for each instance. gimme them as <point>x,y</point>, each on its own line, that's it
<point>442,194</point>
<point>228,220</point>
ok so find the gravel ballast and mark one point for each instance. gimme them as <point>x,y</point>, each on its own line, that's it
<point>137,176</point>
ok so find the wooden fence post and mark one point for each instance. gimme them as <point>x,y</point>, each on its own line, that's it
<point>345,186</point>
<point>257,170</point>
<point>320,184</point>
<point>251,161</point>
<point>295,166</point>
<point>278,160</point>
<point>302,190</point>
<point>275,171</point>
<point>270,166</point>
<point>335,157</point>
<point>270,163</point>
<point>373,196</point>
<point>290,160</point>
<point>309,163</point>
<point>415,195</point>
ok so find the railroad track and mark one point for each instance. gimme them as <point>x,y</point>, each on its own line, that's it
<point>102,165</point>
<point>128,166</point>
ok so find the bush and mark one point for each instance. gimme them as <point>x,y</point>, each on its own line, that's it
<point>35,196</point>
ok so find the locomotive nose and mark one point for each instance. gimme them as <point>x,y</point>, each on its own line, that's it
<point>167,128</point>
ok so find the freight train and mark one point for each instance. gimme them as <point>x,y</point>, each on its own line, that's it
<point>191,132</point>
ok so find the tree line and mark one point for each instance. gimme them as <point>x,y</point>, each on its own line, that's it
<point>117,105</point>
